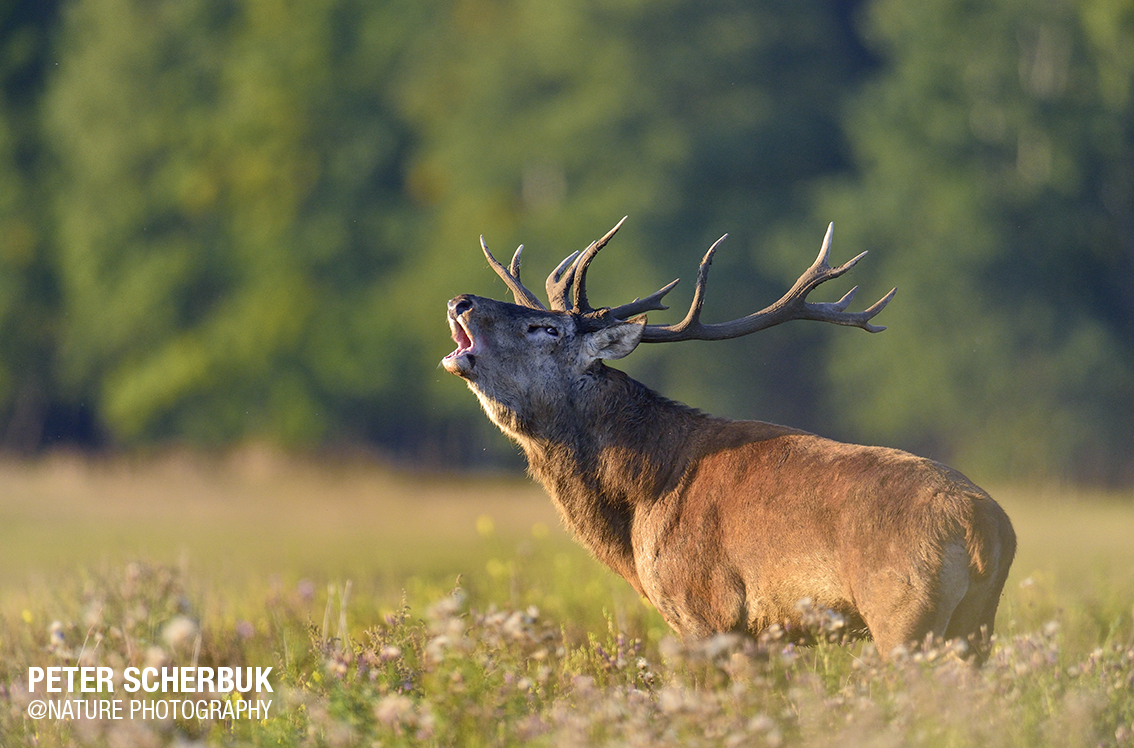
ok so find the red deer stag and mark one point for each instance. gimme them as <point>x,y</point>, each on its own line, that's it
<point>726,525</point>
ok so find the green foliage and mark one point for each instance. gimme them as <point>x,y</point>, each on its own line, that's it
<point>997,153</point>
<point>28,290</point>
<point>262,207</point>
<point>228,207</point>
<point>231,221</point>
<point>545,122</point>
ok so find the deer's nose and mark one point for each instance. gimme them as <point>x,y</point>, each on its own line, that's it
<point>458,305</point>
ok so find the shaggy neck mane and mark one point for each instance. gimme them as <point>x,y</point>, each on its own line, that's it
<point>609,451</point>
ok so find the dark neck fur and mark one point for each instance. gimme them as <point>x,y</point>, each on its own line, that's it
<point>610,451</point>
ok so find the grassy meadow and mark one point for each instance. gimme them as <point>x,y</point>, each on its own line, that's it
<point>405,609</point>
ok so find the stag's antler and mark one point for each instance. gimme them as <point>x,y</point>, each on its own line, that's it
<point>567,284</point>
<point>511,276</point>
<point>792,305</point>
<point>567,291</point>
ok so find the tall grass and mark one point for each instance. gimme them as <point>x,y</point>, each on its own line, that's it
<point>469,619</point>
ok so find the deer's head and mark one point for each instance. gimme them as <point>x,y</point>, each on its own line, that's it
<point>523,362</point>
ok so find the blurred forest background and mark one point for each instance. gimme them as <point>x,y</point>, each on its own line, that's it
<point>225,221</point>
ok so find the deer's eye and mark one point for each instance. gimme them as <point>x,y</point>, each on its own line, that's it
<point>546,329</point>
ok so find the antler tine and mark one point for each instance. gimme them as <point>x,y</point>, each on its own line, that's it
<point>650,303</point>
<point>792,305</point>
<point>558,284</point>
<point>825,248</point>
<point>694,315</point>
<point>523,296</point>
<point>581,264</point>
<point>561,282</point>
<point>853,319</point>
<point>822,267</point>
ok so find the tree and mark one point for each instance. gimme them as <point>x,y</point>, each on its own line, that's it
<point>263,207</point>
<point>996,149</point>
<point>230,213</point>
<point>28,283</point>
<point>544,122</point>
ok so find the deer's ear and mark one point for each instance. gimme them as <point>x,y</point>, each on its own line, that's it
<point>615,341</point>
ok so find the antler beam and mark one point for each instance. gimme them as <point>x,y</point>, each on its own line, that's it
<point>792,305</point>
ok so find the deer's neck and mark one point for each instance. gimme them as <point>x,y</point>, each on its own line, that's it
<point>607,453</point>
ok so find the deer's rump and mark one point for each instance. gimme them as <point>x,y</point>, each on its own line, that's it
<point>766,517</point>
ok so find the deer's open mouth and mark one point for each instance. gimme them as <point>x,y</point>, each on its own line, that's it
<point>461,360</point>
<point>461,336</point>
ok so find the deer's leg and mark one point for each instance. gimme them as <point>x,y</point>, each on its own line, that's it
<point>900,614</point>
<point>894,610</point>
<point>908,609</point>
<point>975,615</point>
<point>972,620</point>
